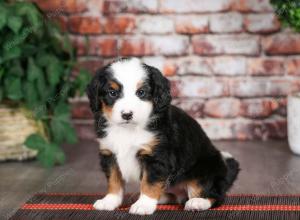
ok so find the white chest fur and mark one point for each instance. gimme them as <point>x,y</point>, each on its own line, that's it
<point>125,142</point>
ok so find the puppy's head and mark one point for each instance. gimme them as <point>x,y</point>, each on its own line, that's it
<point>128,92</point>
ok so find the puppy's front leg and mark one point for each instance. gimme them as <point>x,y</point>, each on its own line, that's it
<point>114,196</point>
<point>150,194</point>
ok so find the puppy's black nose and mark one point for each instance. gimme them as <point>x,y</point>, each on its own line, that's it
<point>127,115</point>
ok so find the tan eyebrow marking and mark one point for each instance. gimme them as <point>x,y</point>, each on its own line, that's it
<point>139,84</point>
<point>114,85</point>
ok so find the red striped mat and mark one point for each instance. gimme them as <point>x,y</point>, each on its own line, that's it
<point>79,206</point>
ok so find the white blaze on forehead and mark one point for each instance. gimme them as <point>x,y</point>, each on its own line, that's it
<point>129,72</point>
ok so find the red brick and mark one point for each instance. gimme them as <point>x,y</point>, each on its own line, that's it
<point>92,65</point>
<point>119,25</point>
<point>193,107</point>
<point>219,129</point>
<point>94,7</point>
<point>169,69</point>
<point>295,87</point>
<point>258,108</point>
<point>226,22</point>
<point>252,5</point>
<point>230,129</point>
<point>175,92</point>
<point>136,47</point>
<point>61,6</point>
<point>158,45</point>
<point>81,110</point>
<point>257,87</point>
<point>156,25</point>
<point>265,66</point>
<point>282,109</point>
<point>293,66</point>
<point>190,6</point>
<point>245,129</point>
<point>230,66</point>
<point>282,44</point>
<point>276,128</point>
<point>202,87</point>
<point>106,47</point>
<point>80,45</point>
<point>191,24</point>
<point>262,23</point>
<point>261,129</point>
<point>133,6</point>
<point>85,25</point>
<point>226,44</point>
<point>222,108</point>
<point>219,65</point>
<point>194,65</point>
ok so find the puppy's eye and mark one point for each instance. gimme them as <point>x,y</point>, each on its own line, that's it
<point>141,93</point>
<point>113,93</point>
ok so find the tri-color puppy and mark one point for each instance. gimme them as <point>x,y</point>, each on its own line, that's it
<point>146,139</point>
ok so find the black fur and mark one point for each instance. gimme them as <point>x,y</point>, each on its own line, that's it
<point>107,162</point>
<point>184,151</point>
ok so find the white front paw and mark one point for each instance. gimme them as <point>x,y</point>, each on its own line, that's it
<point>109,202</point>
<point>143,206</point>
<point>197,204</point>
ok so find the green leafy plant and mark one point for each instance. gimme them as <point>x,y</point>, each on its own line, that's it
<point>288,12</point>
<point>36,62</point>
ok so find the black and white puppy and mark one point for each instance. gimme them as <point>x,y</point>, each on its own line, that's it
<point>146,139</point>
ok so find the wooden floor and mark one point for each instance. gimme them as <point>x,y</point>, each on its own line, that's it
<point>267,168</point>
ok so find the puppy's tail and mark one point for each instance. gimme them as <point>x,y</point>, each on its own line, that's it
<point>233,167</point>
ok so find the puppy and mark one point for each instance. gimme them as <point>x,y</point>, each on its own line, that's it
<point>146,139</point>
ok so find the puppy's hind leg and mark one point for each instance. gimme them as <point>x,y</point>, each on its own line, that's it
<point>167,198</point>
<point>174,195</point>
<point>196,201</point>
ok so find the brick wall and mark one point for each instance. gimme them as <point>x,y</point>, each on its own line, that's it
<point>230,62</point>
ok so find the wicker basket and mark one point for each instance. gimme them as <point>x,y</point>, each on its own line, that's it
<point>15,127</point>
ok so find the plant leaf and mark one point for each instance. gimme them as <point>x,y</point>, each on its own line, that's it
<point>30,11</point>
<point>42,87</point>
<point>13,88</point>
<point>16,69</point>
<point>11,53</point>
<point>3,17</point>
<point>14,23</point>
<point>60,123</point>
<point>62,111</point>
<point>47,156</point>
<point>1,73</point>
<point>54,71</point>
<point>31,95</point>
<point>82,80</point>
<point>33,70</point>
<point>1,94</point>
<point>60,157</point>
<point>70,134</point>
<point>36,142</point>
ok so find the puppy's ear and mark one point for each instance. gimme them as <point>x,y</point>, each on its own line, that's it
<point>95,89</point>
<point>160,89</point>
